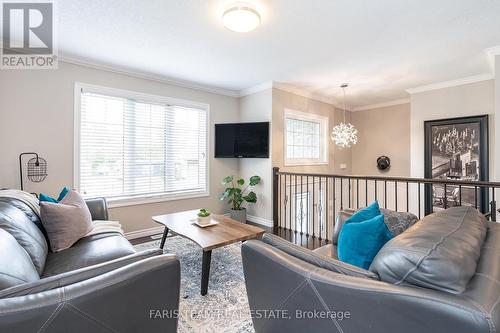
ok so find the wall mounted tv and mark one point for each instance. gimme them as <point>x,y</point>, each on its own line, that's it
<point>242,140</point>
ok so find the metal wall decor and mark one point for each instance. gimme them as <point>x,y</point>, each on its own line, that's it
<point>383,163</point>
<point>37,169</point>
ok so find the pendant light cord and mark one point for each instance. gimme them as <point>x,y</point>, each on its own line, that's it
<point>343,88</point>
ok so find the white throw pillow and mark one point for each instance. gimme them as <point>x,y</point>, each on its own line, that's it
<point>67,221</point>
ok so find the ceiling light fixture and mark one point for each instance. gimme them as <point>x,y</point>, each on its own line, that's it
<point>344,134</point>
<point>241,17</point>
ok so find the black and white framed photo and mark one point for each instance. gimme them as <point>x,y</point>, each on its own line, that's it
<point>456,149</point>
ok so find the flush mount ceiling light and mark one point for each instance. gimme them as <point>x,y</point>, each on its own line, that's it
<point>344,134</point>
<point>241,17</point>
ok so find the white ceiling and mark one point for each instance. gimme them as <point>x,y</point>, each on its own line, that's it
<point>380,47</point>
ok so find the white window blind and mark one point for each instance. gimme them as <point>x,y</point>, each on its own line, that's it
<point>305,139</point>
<point>132,147</point>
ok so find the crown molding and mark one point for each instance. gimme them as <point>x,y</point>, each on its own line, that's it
<point>149,76</point>
<point>307,94</point>
<point>492,52</point>
<point>453,83</point>
<point>381,105</point>
<point>256,89</point>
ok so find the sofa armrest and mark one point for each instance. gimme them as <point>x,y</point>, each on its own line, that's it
<point>98,208</point>
<point>67,278</point>
<point>127,299</point>
<point>293,290</point>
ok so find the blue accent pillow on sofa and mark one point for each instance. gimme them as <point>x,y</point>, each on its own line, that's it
<point>46,198</point>
<point>365,213</point>
<point>362,236</point>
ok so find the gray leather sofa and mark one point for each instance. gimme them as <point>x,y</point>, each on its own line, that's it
<point>440,275</point>
<point>100,284</point>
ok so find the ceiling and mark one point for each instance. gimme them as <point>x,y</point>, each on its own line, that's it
<point>380,47</point>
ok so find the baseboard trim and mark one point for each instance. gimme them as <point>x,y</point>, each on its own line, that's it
<point>260,220</point>
<point>144,232</point>
<point>158,230</point>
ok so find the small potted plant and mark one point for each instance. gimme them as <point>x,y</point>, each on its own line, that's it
<point>236,194</point>
<point>204,216</point>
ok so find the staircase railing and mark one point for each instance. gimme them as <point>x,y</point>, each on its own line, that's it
<point>307,203</point>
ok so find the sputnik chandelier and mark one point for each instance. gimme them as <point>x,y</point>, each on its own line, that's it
<point>344,134</point>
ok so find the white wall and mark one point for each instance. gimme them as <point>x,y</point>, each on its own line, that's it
<point>460,101</point>
<point>36,114</point>
<point>382,131</point>
<point>253,108</point>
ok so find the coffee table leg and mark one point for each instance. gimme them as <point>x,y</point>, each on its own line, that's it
<point>205,271</point>
<point>165,233</point>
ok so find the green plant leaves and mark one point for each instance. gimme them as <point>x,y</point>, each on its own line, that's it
<point>227,180</point>
<point>251,197</point>
<point>235,194</point>
<point>254,180</point>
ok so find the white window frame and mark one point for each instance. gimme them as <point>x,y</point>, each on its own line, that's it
<point>143,199</point>
<point>323,136</point>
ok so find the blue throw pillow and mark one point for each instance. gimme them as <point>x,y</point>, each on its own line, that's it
<point>360,242</point>
<point>44,197</point>
<point>63,193</point>
<point>365,213</point>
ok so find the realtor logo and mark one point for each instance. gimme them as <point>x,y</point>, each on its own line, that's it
<point>28,35</point>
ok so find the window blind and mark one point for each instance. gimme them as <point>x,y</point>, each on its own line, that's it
<point>132,147</point>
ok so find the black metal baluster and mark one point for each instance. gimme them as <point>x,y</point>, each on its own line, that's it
<point>460,195</point>
<point>295,200</point>
<point>445,198</point>
<point>475,197</point>
<point>334,189</point>
<point>349,196</point>
<point>309,207</point>
<point>357,193</point>
<point>375,188</point>
<point>301,206</point>
<point>315,207</point>
<point>326,211</point>
<point>396,196</point>
<point>493,207</point>
<point>341,193</point>
<point>279,200</point>
<point>320,211</point>
<point>419,208</point>
<point>366,192</point>
<point>407,197</point>
<point>385,194</point>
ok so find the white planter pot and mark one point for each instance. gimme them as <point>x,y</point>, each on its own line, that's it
<point>239,215</point>
<point>204,220</point>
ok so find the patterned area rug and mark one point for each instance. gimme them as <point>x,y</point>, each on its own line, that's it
<point>225,307</point>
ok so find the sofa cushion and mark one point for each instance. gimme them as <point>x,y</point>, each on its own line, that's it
<point>88,251</point>
<point>398,222</point>
<point>359,242</point>
<point>316,259</point>
<point>440,252</point>
<point>16,266</point>
<point>328,250</point>
<point>27,234</point>
<point>342,217</point>
<point>67,221</point>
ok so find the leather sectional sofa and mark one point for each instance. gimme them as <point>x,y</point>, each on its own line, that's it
<point>440,275</point>
<point>100,284</point>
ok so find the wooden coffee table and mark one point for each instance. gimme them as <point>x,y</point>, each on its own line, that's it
<point>228,231</point>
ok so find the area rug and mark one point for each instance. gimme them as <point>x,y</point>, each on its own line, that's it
<point>225,307</point>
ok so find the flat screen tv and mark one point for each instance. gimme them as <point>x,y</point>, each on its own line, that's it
<point>242,140</point>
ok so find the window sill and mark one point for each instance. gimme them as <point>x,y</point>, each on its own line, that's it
<point>305,163</point>
<point>144,200</point>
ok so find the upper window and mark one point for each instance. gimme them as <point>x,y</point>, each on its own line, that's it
<point>306,141</point>
<point>131,145</point>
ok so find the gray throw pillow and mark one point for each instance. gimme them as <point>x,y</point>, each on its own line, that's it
<point>67,221</point>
